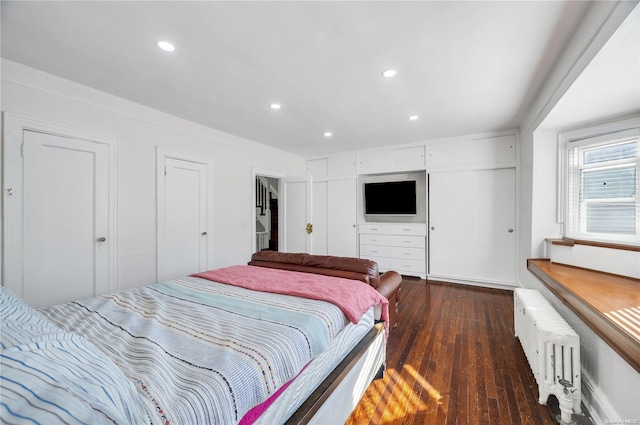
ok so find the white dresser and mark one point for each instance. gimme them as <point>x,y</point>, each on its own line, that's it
<point>395,246</point>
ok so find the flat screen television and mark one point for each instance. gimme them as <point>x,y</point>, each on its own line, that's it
<point>390,198</point>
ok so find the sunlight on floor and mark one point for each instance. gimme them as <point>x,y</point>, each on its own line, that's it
<point>410,389</point>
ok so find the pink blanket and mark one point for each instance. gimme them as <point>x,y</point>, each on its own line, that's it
<point>352,296</point>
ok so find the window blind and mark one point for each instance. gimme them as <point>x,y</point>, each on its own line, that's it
<point>603,179</point>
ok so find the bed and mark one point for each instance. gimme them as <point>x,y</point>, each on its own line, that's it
<point>288,338</point>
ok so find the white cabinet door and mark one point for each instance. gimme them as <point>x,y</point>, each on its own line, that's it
<point>472,225</point>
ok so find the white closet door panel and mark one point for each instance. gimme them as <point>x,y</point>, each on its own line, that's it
<point>495,230</point>
<point>451,231</point>
<point>321,228</point>
<point>66,211</point>
<point>297,198</point>
<point>472,225</point>
<point>342,204</point>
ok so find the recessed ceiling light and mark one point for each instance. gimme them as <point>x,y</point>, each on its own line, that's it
<point>328,134</point>
<point>166,46</point>
<point>413,117</point>
<point>275,106</point>
<point>388,73</point>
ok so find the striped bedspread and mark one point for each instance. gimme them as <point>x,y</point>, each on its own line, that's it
<point>203,352</point>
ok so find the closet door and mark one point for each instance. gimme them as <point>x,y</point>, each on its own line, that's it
<point>334,216</point>
<point>297,214</point>
<point>65,230</point>
<point>183,216</point>
<point>329,205</point>
<point>341,220</point>
<point>472,225</point>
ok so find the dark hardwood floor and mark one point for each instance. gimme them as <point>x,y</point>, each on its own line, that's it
<point>453,359</point>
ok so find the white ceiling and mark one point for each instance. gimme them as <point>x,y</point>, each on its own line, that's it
<point>463,67</point>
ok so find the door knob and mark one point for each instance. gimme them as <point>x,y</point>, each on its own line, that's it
<point>510,230</point>
<point>309,228</point>
<point>102,239</point>
<point>204,233</point>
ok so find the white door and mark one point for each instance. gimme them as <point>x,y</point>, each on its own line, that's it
<point>183,235</point>
<point>341,217</point>
<point>495,230</point>
<point>297,214</point>
<point>65,219</point>
<point>472,225</point>
<point>320,239</point>
<point>329,204</point>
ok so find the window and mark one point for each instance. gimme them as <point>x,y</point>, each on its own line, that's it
<point>602,175</point>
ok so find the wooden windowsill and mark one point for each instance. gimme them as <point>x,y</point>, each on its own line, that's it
<point>572,242</point>
<point>609,304</point>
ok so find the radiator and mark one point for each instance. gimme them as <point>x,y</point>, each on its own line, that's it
<point>552,348</point>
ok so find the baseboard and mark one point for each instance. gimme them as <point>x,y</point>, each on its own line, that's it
<point>596,402</point>
<point>481,283</point>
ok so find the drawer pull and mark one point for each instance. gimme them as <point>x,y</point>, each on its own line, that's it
<point>375,252</point>
<point>374,240</point>
<point>406,253</point>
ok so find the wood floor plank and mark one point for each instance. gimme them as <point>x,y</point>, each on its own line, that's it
<point>453,360</point>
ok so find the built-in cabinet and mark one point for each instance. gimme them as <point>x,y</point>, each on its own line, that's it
<point>395,246</point>
<point>465,228</point>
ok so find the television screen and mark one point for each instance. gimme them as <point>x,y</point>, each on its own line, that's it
<point>392,198</point>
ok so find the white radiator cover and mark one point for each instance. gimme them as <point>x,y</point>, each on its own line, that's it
<point>552,347</point>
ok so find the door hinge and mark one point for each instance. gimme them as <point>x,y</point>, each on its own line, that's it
<point>22,149</point>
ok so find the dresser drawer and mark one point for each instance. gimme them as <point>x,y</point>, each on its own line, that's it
<point>417,229</point>
<point>374,228</point>
<point>367,251</point>
<point>407,241</point>
<point>369,239</point>
<point>384,264</point>
<point>408,253</point>
<point>408,266</point>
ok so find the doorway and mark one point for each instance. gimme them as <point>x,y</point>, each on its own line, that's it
<point>266,213</point>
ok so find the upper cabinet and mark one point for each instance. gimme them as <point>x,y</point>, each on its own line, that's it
<point>472,151</point>
<point>338,165</point>
<point>469,152</point>
<point>391,160</point>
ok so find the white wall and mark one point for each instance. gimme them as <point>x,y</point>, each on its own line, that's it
<point>611,387</point>
<point>139,130</point>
